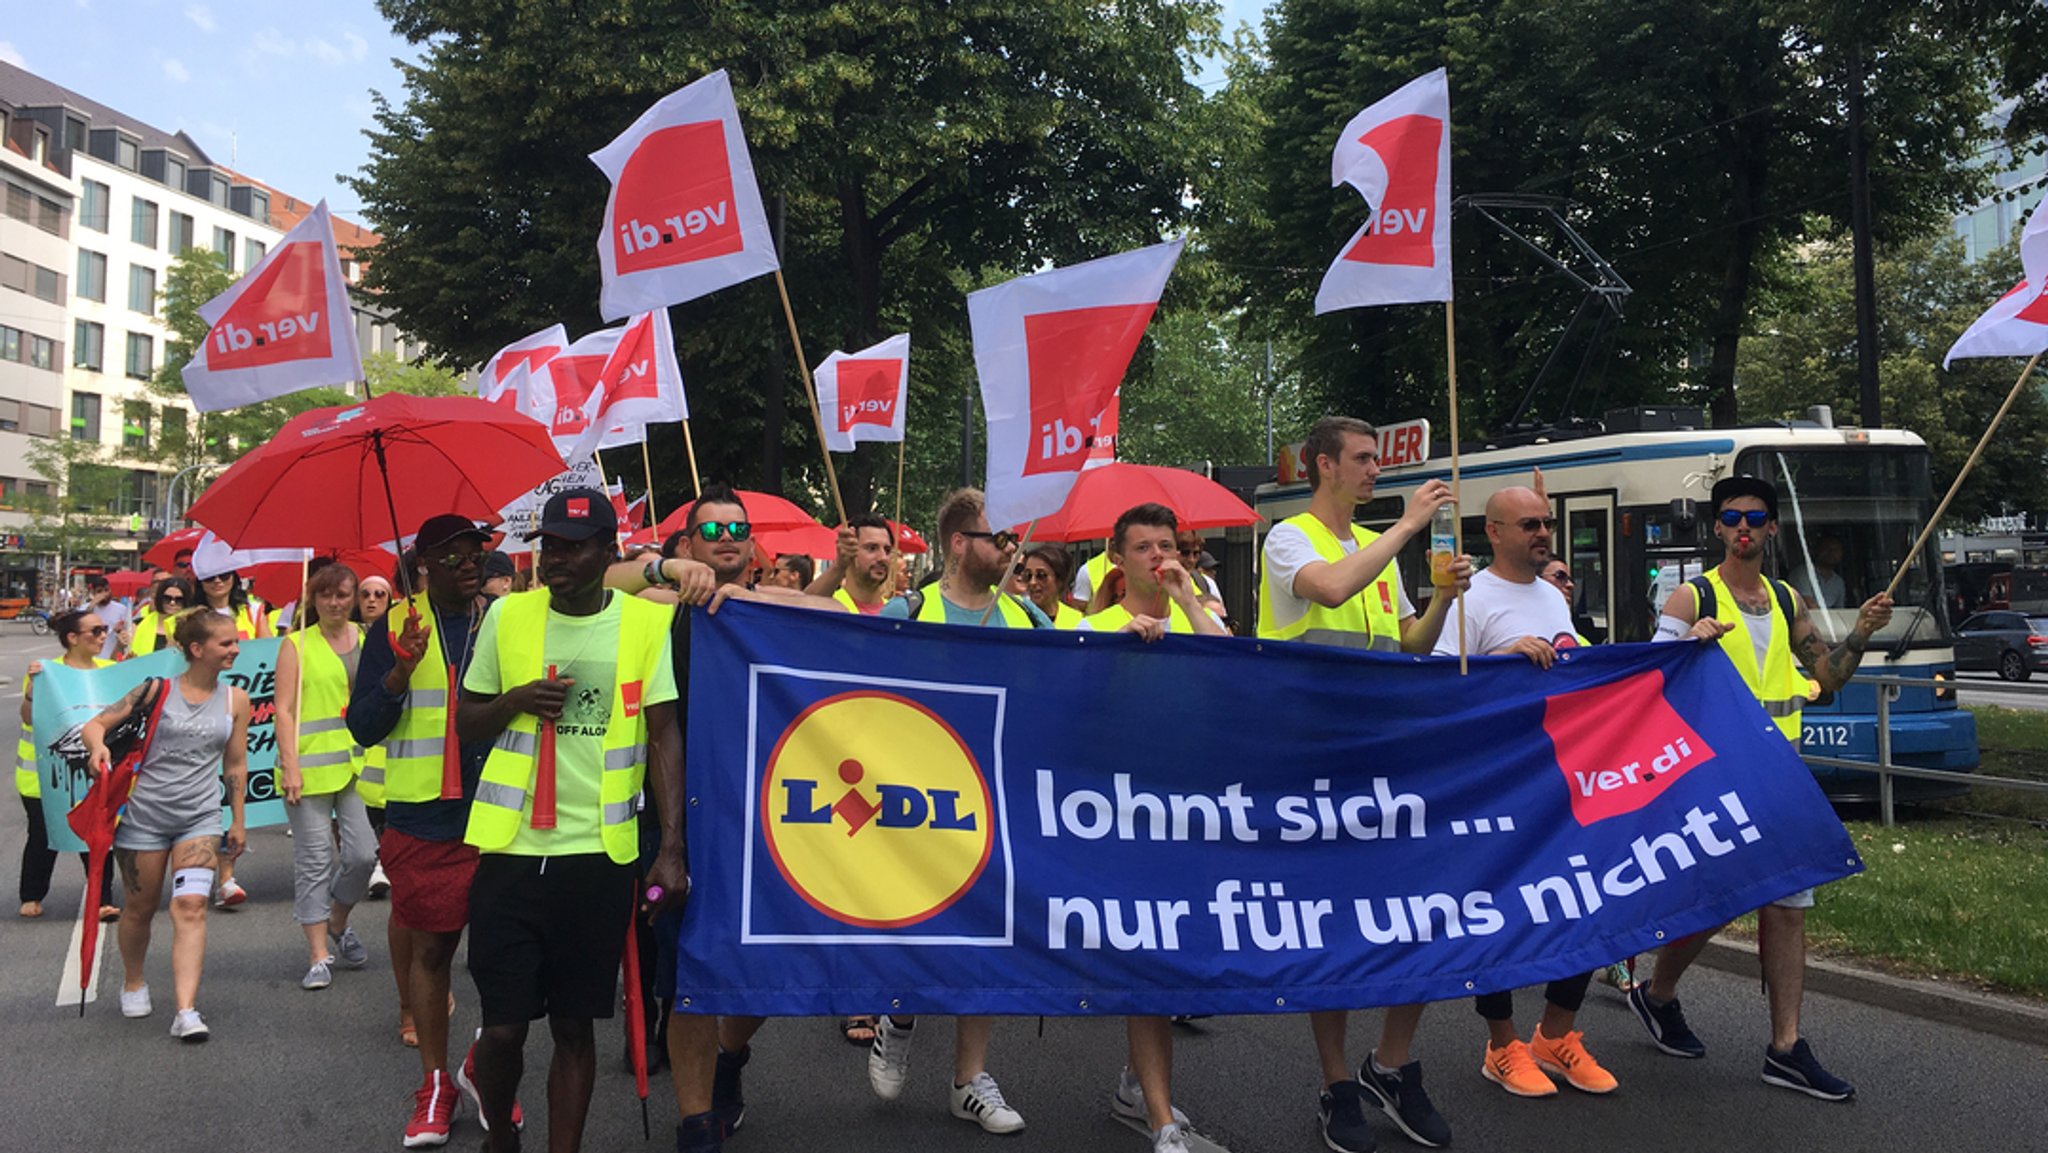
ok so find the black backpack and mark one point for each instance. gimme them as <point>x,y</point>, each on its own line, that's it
<point>1703,592</point>
<point>914,601</point>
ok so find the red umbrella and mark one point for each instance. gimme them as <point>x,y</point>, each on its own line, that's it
<point>1104,494</point>
<point>767,513</point>
<point>127,584</point>
<point>636,1012</point>
<point>163,553</point>
<point>358,476</point>
<point>94,819</point>
<point>907,540</point>
<point>812,540</point>
<point>278,584</point>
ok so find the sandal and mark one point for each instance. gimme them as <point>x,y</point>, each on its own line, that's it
<point>408,1033</point>
<point>857,1030</point>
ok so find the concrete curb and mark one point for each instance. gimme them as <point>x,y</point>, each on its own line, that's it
<point>2009,1017</point>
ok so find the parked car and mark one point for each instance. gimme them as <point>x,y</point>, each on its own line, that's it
<point>2011,644</point>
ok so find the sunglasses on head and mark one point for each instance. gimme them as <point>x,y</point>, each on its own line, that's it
<point>1735,516</point>
<point>1001,540</point>
<point>717,530</point>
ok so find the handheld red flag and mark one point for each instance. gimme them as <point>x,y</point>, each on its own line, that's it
<point>285,325</point>
<point>1397,153</point>
<point>862,393</point>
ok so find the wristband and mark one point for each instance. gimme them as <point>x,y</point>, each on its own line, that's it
<point>653,574</point>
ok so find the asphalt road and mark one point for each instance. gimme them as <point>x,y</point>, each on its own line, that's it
<point>325,1071</point>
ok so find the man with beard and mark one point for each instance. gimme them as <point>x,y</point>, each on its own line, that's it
<point>1510,610</point>
<point>862,577</point>
<point>573,686</point>
<point>1762,626</point>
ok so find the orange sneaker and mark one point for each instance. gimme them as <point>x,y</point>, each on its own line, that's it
<point>1512,1068</point>
<point>1566,1056</point>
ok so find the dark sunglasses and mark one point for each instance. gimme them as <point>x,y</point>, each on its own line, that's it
<point>173,600</point>
<point>96,630</point>
<point>224,576</point>
<point>1532,523</point>
<point>457,560</point>
<point>1560,577</point>
<point>1756,517</point>
<point>1034,577</point>
<point>717,530</point>
<point>1001,540</point>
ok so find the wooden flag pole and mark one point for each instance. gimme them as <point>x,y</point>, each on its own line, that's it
<point>1451,358</point>
<point>1927,529</point>
<point>690,450</point>
<point>1010,573</point>
<point>900,446</point>
<point>810,394</point>
<point>647,470</point>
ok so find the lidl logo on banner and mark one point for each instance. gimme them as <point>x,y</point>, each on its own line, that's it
<point>1077,361</point>
<point>1620,746</point>
<point>867,392</point>
<point>674,200</point>
<point>876,813</point>
<point>278,317</point>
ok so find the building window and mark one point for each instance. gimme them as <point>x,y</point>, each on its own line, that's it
<point>142,289</point>
<point>88,345</point>
<point>141,355</point>
<point>24,276</point>
<point>28,348</point>
<point>43,353</point>
<point>31,208</point>
<point>94,205</point>
<point>127,153</point>
<point>74,132</point>
<point>224,244</point>
<point>10,421</point>
<point>85,416</point>
<point>39,420</point>
<point>92,275</point>
<point>142,228</point>
<point>252,253</point>
<point>135,424</point>
<point>174,172</point>
<point>182,233</point>
<point>11,342</point>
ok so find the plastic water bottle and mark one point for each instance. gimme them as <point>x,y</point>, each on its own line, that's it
<point>1443,543</point>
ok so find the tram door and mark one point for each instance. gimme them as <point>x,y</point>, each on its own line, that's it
<point>1585,539</point>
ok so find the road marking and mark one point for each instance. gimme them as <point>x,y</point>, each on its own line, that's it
<point>67,985</point>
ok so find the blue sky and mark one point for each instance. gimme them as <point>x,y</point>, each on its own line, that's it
<point>281,86</point>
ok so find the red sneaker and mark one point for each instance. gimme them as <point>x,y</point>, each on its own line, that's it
<point>466,1078</point>
<point>433,1112</point>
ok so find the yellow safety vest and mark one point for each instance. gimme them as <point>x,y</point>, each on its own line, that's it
<point>1779,686</point>
<point>150,633</point>
<point>1097,568</point>
<point>27,781</point>
<point>846,598</point>
<point>1068,617</point>
<point>1115,617</point>
<point>933,610</point>
<point>1372,619</point>
<point>327,754</point>
<point>504,793</point>
<point>412,751</point>
<point>369,766</point>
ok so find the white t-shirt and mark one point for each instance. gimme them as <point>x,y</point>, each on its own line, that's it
<point>1287,552</point>
<point>1499,612</point>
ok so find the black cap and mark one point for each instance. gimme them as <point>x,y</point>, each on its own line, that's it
<point>1730,487</point>
<point>497,564</point>
<point>577,514</point>
<point>446,528</point>
<point>1206,561</point>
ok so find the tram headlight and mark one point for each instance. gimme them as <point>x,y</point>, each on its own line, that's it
<point>1943,690</point>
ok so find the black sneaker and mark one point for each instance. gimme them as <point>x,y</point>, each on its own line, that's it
<point>701,1133</point>
<point>1666,1024</point>
<point>728,1104</point>
<point>1800,1071</point>
<point>1342,1108</point>
<point>1403,1101</point>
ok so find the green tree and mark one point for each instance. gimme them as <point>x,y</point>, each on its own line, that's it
<point>78,514</point>
<point>1801,351</point>
<point>907,151</point>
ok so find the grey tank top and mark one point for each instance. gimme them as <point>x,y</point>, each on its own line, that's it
<point>178,783</point>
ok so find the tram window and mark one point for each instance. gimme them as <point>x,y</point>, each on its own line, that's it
<point>1589,550</point>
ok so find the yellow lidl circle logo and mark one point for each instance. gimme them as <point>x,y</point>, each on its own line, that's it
<point>875,811</point>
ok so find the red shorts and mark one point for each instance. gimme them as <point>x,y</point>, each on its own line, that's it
<point>429,880</point>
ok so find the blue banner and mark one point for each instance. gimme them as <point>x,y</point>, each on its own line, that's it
<point>949,820</point>
<point>66,698</point>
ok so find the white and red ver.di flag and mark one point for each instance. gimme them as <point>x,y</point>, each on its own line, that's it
<point>1397,153</point>
<point>507,378</point>
<point>639,384</point>
<point>1051,350</point>
<point>284,326</point>
<point>684,217</point>
<point>862,394</point>
<point>2018,324</point>
<point>564,393</point>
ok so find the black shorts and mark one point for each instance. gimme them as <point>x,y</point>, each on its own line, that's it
<point>545,935</point>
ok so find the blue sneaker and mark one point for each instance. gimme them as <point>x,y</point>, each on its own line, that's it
<point>1666,1024</point>
<point>1342,1112</point>
<point>1403,1101</point>
<point>1801,1072</point>
<point>728,1102</point>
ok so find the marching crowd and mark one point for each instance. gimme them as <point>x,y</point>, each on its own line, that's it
<point>509,762</point>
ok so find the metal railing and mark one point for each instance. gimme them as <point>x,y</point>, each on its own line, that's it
<point>1887,692</point>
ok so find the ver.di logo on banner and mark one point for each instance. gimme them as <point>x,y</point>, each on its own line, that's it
<point>878,812</point>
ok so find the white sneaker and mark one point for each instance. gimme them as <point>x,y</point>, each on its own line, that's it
<point>229,895</point>
<point>319,976</point>
<point>187,1026</point>
<point>889,1058</point>
<point>981,1102</point>
<point>1129,1101</point>
<point>380,885</point>
<point>135,1004</point>
<point>1169,1139</point>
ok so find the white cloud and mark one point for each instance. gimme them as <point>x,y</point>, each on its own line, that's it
<point>201,15</point>
<point>358,48</point>
<point>271,42</point>
<point>325,51</point>
<point>176,72</point>
<point>11,54</point>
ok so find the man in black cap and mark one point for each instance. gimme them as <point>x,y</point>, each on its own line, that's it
<point>498,574</point>
<point>1761,625</point>
<point>401,700</point>
<point>573,685</point>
